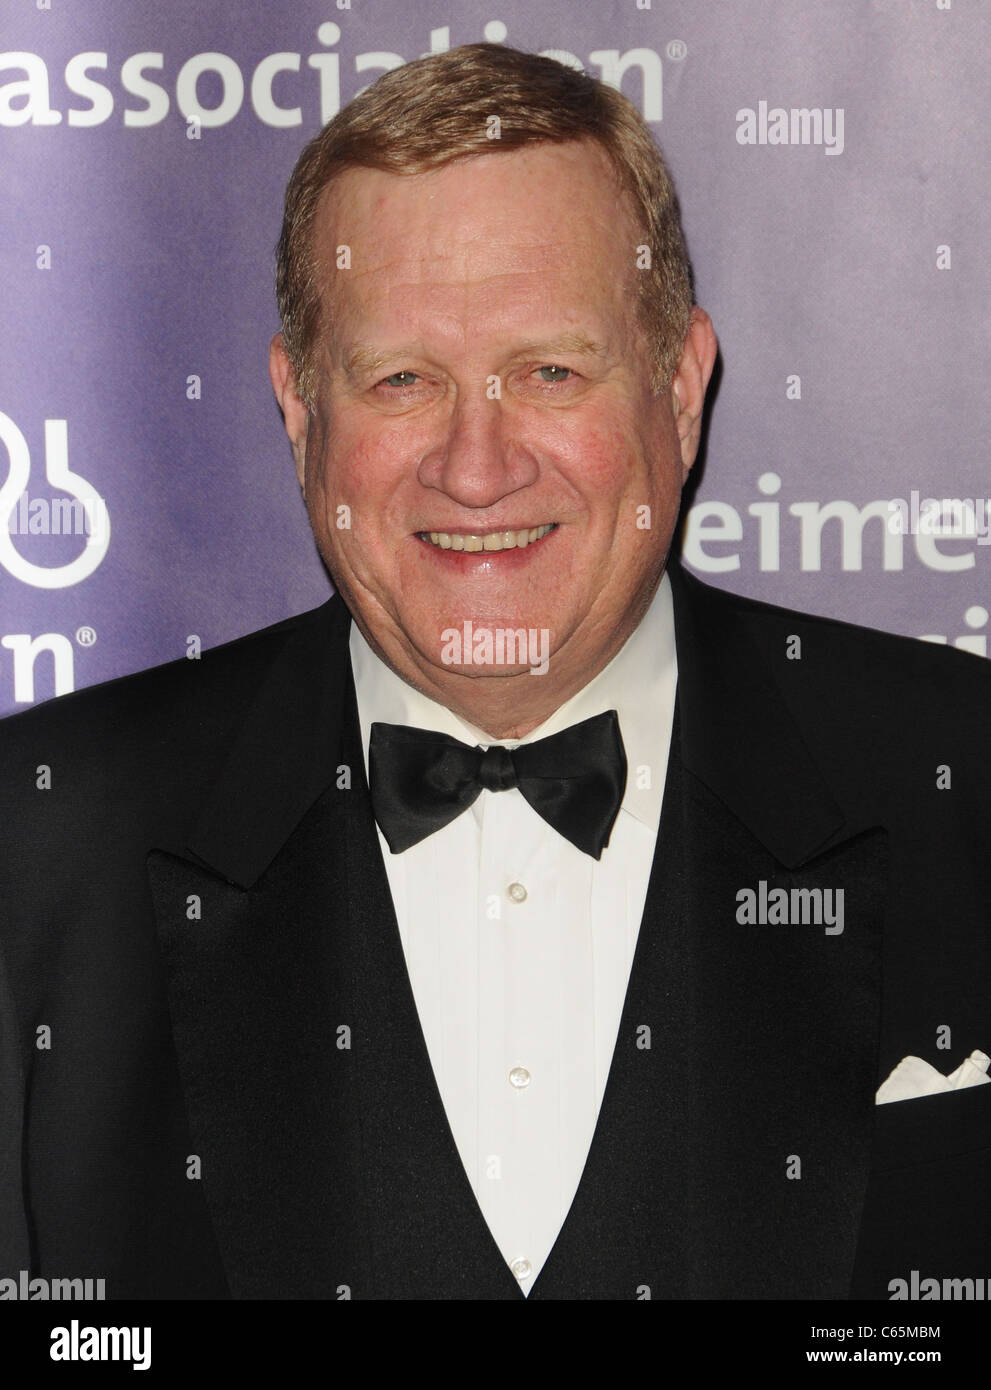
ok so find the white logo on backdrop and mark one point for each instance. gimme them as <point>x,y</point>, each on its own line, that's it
<point>28,97</point>
<point>62,479</point>
<point>840,534</point>
<point>720,524</point>
<point>26,650</point>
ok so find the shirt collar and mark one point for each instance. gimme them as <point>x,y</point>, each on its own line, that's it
<point>638,683</point>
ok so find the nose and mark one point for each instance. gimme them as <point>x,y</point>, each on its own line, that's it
<point>477,461</point>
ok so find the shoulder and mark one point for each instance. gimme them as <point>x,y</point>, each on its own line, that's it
<point>890,721</point>
<point>181,712</point>
<point>849,662</point>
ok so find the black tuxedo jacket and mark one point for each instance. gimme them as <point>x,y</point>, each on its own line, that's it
<point>214,1083</point>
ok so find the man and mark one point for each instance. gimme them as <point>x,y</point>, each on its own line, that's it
<point>530,920</point>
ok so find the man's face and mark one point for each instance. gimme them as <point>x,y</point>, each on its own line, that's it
<point>481,371</point>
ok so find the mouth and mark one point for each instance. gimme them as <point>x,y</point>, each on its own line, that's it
<point>474,541</point>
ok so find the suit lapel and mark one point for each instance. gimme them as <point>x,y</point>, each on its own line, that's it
<point>731,1155</point>
<point>428,1236</point>
<point>328,1165</point>
<point>257,989</point>
<point>258,985</point>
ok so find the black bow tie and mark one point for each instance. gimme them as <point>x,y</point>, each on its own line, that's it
<point>421,780</point>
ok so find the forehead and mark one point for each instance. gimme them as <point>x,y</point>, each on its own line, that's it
<point>539,230</point>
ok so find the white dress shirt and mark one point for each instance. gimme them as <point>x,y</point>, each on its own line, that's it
<point>519,945</point>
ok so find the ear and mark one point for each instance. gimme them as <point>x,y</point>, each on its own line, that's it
<point>295,413</point>
<point>688,386</point>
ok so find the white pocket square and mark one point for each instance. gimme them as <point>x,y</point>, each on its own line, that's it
<point>914,1077</point>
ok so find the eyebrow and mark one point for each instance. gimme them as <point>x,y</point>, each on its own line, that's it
<point>576,342</point>
<point>363,360</point>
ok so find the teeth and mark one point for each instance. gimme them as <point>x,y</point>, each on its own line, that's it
<point>496,540</point>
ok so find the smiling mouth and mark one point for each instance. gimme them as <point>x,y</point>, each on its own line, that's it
<point>491,540</point>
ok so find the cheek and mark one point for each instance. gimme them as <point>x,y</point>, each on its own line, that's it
<point>357,484</point>
<point>365,466</point>
<point>341,477</point>
<point>605,464</point>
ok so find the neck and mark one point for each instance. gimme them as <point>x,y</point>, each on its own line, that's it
<point>507,706</point>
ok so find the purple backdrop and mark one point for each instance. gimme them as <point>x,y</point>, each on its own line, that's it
<point>832,165</point>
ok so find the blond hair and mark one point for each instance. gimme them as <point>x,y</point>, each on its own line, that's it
<point>435,110</point>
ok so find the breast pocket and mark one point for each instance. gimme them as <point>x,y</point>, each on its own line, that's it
<point>929,1128</point>
<point>926,1215</point>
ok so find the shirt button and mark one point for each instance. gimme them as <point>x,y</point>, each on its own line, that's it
<point>522,1269</point>
<point>519,1077</point>
<point>516,893</point>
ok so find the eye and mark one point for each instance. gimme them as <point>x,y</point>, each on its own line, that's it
<point>398,380</point>
<point>552,374</point>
